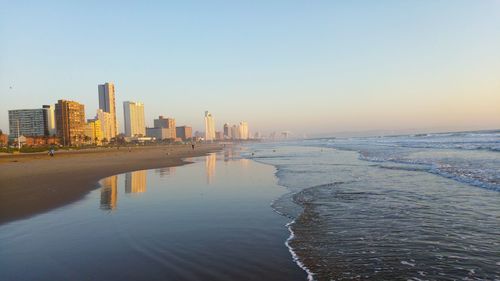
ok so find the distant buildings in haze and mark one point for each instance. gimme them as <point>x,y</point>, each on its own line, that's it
<point>243,128</point>
<point>236,132</point>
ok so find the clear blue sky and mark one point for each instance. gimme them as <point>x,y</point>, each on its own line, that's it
<point>305,66</point>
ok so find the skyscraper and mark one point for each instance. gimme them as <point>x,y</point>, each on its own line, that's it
<point>244,134</point>
<point>227,131</point>
<point>235,132</point>
<point>209,127</point>
<point>29,122</point>
<point>107,104</point>
<point>50,119</point>
<point>133,113</point>
<point>70,122</point>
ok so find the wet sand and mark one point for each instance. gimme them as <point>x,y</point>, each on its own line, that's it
<point>34,183</point>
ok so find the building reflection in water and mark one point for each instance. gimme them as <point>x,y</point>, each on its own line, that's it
<point>109,193</point>
<point>135,182</point>
<point>228,155</point>
<point>244,162</point>
<point>210,161</point>
<point>167,171</point>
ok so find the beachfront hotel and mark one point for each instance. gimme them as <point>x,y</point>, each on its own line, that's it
<point>133,114</point>
<point>70,122</point>
<point>28,122</point>
<point>209,127</point>
<point>107,104</point>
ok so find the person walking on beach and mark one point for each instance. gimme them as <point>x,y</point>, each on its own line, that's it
<point>192,146</point>
<point>51,152</point>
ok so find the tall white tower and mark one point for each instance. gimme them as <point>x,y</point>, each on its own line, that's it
<point>209,127</point>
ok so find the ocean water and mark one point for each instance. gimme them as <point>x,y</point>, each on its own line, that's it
<point>470,157</point>
<point>210,220</point>
<point>421,207</point>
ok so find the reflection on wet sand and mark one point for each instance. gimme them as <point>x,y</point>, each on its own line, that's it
<point>210,166</point>
<point>228,155</point>
<point>135,182</point>
<point>164,172</point>
<point>109,193</point>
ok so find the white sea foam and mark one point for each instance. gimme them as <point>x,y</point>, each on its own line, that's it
<point>310,275</point>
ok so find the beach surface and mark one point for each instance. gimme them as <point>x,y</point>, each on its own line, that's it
<point>34,183</point>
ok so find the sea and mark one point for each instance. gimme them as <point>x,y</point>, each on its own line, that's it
<point>408,207</point>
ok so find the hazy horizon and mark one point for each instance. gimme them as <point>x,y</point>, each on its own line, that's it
<point>313,68</point>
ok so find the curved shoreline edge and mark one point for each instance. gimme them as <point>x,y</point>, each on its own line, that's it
<point>34,184</point>
<point>295,257</point>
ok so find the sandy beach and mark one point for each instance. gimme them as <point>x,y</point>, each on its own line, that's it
<point>34,183</point>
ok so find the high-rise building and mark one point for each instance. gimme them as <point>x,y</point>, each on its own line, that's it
<point>106,124</point>
<point>235,132</point>
<point>107,104</point>
<point>70,122</point>
<point>243,128</point>
<point>93,131</point>
<point>209,127</point>
<point>227,131</point>
<point>133,113</point>
<point>50,119</point>
<point>168,123</point>
<point>28,122</point>
<point>184,132</point>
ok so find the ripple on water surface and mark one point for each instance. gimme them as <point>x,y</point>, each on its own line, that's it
<point>380,222</point>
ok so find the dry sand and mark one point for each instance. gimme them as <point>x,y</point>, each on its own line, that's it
<point>35,183</point>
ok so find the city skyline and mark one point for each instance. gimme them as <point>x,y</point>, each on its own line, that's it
<point>346,67</point>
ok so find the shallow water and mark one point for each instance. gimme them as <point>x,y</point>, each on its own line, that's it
<point>363,220</point>
<point>210,220</point>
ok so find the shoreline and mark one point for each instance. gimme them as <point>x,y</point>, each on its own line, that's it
<point>31,184</point>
